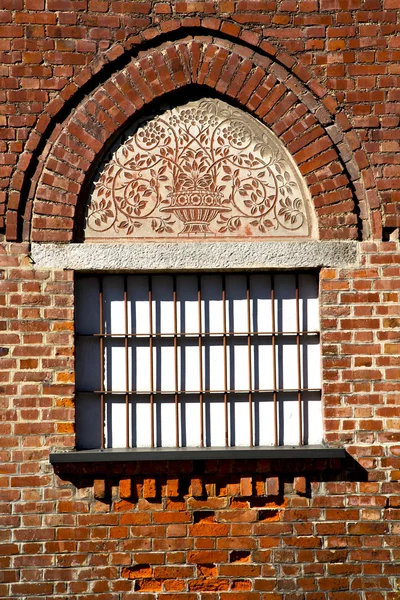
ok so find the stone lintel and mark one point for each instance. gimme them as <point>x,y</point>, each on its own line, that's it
<point>195,256</point>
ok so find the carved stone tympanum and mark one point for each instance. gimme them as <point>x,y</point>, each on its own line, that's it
<point>203,169</point>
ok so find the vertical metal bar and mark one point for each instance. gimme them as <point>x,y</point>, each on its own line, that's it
<point>176,397</point>
<point>126,362</point>
<point>273,343</point>
<point>225,360</point>
<point>299,399</point>
<point>200,349</point>
<point>150,297</point>
<point>102,395</point>
<point>249,358</point>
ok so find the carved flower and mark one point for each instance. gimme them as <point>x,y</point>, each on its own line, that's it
<point>174,120</point>
<point>237,134</point>
<point>193,116</point>
<point>152,133</point>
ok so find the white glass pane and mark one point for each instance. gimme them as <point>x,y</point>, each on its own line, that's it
<point>285,302</point>
<point>190,367</point>
<point>309,307</point>
<point>239,413</point>
<point>164,370</point>
<point>311,362</point>
<point>264,419</point>
<point>188,307</point>
<point>263,364</point>
<point>163,307</point>
<point>165,421</point>
<point>312,418</point>
<point>115,421</point>
<point>139,309</point>
<point>213,364</point>
<point>214,420</point>
<point>212,306</point>
<point>115,365</point>
<point>288,419</point>
<point>238,364</point>
<point>190,421</point>
<point>260,288</point>
<point>140,422</point>
<point>237,303</point>
<point>287,362</point>
<point>113,305</point>
<point>139,377</point>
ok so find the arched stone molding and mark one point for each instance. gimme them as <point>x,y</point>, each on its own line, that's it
<point>327,151</point>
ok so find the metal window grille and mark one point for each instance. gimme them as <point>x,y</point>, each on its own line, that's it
<point>197,360</point>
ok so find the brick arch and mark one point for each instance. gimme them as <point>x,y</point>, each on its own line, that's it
<point>174,28</point>
<point>45,132</point>
<point>325,149</point>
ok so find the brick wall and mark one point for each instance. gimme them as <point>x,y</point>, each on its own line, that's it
<point>344,54</point>
<point>325,77</point>
<point>228,530</point>
<point>302,114</point>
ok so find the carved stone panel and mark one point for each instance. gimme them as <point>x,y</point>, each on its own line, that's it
<point>200,170</point>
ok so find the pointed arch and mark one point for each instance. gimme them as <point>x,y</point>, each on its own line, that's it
<point>326,151</point>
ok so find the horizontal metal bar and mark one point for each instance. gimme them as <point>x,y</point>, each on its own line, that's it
<point>196,334</point>
<point>181,392</point>
<point>145,454</point>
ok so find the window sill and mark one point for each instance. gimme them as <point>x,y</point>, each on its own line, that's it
<point>173,454</point>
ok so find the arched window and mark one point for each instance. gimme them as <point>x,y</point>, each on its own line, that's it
<point>205,359</point>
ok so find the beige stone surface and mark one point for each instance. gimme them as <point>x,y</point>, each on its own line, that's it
<point>203,170</point>
<point>189,255</point>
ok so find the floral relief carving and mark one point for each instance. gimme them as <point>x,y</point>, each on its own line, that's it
<point>203,169</point>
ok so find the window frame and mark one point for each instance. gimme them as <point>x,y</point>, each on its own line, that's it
<point>184,257</point>
<point>252,338</point>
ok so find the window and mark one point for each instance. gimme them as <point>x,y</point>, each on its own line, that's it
<point>192,360</point>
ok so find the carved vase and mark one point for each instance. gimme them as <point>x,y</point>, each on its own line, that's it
<point>196,209</point>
